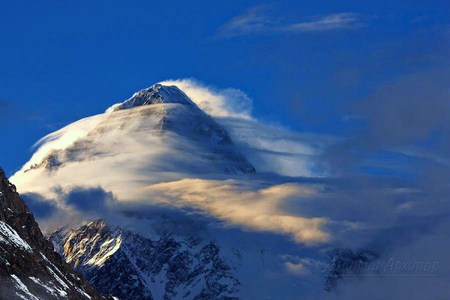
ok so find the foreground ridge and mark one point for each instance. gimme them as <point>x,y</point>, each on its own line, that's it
<point>29,267</point>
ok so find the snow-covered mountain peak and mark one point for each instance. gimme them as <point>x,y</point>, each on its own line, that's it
<point>156,94</point>
<point>160,125</point>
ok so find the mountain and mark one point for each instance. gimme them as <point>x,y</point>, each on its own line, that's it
<point>119,262</point>
<point>29,267</point>
<point>203,223</point>
<point>129,266</point>
<point>157,135</point>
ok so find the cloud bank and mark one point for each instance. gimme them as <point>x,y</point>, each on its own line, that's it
<point>85,200</point>
<point>41,207</point>
<point>259,209</point>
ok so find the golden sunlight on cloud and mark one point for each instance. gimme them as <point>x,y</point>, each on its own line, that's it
<point>258,210</point>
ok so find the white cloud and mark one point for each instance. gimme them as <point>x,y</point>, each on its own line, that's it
<point>256,20</point>
<point>278,150</point>
<point>62,138</point>
<point>253,20</point>
<point>268,147</point>
<point>216,102</point>
<point>337,21</point>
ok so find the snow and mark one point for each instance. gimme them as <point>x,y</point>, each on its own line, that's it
<point>107,249</point>
<point>9,236</point>
<point>51,290</point>
<point>24,292</point>
<point>83,293</point>
<point>154,95</point>
<point>58,279</point>
<point>158,274</point>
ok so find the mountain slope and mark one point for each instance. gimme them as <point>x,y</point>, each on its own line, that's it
<point>29,268</point>
<point>157,131</point>
<point>129,266</point>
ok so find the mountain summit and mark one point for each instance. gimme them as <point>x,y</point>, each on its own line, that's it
<point>156,94</point>
<point>159,131</point>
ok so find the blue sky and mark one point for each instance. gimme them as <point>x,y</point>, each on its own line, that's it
<point>314,66</point>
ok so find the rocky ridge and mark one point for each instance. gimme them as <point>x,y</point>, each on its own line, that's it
<point>129,266</point>
<point>29,267</point>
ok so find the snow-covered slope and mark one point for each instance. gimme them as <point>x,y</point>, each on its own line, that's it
<point>29,268</point>
<point>158,130</point>
<point>124,264</point>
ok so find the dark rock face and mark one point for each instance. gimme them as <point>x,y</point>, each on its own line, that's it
<point>344,262</point>
<point>29,267</point>
<point>129,266</point>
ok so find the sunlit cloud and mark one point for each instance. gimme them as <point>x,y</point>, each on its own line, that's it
<point>299,266</point>
<point>259,209</point>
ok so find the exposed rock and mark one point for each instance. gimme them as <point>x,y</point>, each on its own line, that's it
<point>29,267</point>
<point>345,262</point>
<point>129,266</point>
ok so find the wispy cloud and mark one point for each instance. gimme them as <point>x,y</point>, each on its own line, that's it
<point>256,20</point>
<point>347,20</point>
<point>253,20</point>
